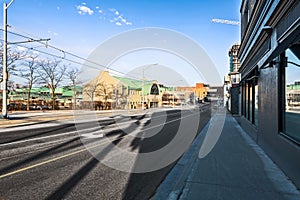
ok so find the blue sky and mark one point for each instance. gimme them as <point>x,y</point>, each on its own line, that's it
<point>80,26</point>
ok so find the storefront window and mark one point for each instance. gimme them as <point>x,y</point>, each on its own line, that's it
<point>256,104</point>
<point>246,100</point>
<point>291,126</point>
<point>250,101</point>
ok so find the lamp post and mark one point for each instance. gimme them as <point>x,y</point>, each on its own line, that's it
<point>5,75</point>
<point>174,93</point>
<point>174,96</point>
<point>143,79</point>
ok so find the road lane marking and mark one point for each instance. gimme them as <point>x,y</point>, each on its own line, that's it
<point>76,152</point>
<point>54,159</point>
<point>72,132</point>
<point>50,136</point>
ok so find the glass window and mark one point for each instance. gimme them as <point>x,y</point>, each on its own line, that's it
<point>242,100</point>
<point>256,104</point>
<point>291,126</point>
<point>250,101</point>
<point>246,100</point>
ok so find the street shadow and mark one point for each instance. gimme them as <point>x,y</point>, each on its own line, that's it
<point>19,135</point>
<point>35,122</point>
<point>66,187</point>
<point>65,146</point>
<point>136,187</point>
<point>6,137</point>
<point>16,118</point>
<point>143,185</point>
<point>54,150</point>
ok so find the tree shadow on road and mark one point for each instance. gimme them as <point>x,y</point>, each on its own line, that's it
<point>24,135</point>
<point>66,187</point>
<point>143,185</point>
<point>51,151</point>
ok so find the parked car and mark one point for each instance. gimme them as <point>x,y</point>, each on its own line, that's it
<point>44,107</point>
<point>23,107</point>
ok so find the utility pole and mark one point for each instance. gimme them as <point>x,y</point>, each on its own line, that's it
<point>174,96</point>
<point>143,95</point>
<point>4,81</point>
<point>5,73</point>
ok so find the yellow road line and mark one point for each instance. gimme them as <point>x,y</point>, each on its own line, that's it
<point>55,159</point>
<point>64,156</point>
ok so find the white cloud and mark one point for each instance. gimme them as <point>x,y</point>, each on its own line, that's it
<point>53,33</point>
<point>124,20</point>
<point>114,16</point>
<point>118,23</point>
<point>97,7</point>
<point>82,10</point>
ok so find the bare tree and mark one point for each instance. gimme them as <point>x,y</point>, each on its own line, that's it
<point>90,89</point>
<point>12,57</point>
<point>105,91</point>
<point>28,71</point>
<point>51,72</point>
<point>72,75</point>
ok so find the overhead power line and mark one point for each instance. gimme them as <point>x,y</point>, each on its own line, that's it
<point>47,45</point>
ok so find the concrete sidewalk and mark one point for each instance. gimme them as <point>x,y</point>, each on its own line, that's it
<point>236,168</point>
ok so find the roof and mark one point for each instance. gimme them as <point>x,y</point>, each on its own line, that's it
<point>131,83</point>
<point>65,91</point>
<point>293,87</point>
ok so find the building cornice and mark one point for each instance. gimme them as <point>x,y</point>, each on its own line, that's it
<point>270,17</point>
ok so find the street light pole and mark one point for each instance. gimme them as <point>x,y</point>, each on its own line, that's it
<point>5,75</point>
<point>173,96</point>
<point>174,93</point>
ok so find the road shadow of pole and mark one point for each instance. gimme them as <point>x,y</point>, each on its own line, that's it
<point>43,154</point>
<point>66,187</point>
<point>23,135</point>
<point>143,185</point>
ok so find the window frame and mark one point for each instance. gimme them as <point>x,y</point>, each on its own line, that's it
<point>282,98</point>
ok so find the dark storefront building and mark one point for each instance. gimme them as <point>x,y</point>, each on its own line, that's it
<point>270,79</point>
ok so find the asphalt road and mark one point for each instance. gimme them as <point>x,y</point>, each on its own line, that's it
<point>63,162</point>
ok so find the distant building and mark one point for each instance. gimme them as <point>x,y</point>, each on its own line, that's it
<point>110,92</point>
<point>234,64</point>
<point>126,93</point>
<point>123,93</point>
<point>231,81</point>
<point>293,96</point>
<point>40,96</point>
<point>215,93</point>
